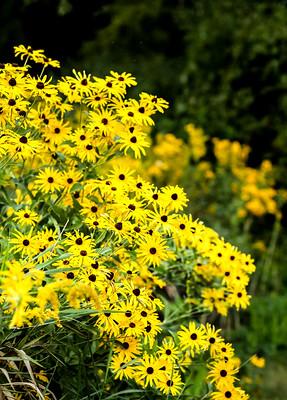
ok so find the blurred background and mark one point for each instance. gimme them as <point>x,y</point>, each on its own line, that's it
<point>222,65</point>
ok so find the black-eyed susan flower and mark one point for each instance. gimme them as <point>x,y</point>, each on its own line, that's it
<point>158,103</point>
<point>223,351</point>
<point>153,250</point>
<point>103,121</point>
<point>48,180</point>
<point>162,220</point>
<point>70,178</point>
<point>171,384</point>
<point>149,371</point>
<point>26,217</point>
<point>97,99</point>
<point>109,85</point>
<point>24,243</point>
<point>56,131</point>
<point>193,338</point>
<point>239,298</point>
<point>121,367</point>
<point>222,372</point>
<point>27,52</point>
<point>229,392</point>
<point>213,338</point>
<point>82,83</point>
<point>135,327</point>
<point>124,78</point>
<point>78,240</point>
<point>128,346</point>
<point>137,143</point>
<point>108,323</point>
<point>13,84</point>
<point>174,198</point>
<point>168,350</point>
<point>41,87</point>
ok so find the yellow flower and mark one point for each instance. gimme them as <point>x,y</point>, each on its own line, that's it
<point>171,384</point>
<point>137,143</point>
<point>222,373</point>
<point>128,346</point>
<point>121,367</point>
<point>153,250</point>
<point>239,298</point>
<point>26,217</point>
<point>197,141</point>
<point>24,243</point>
<point>228,391</point>
<point>193,338</point>
<point>168,350</point>
<point>125,79</point>
<point>258,362</point>
<point>174,198</point>
<point>48,180</point>
<point>41,87</point>
<point>149,371</point>
<point>22,52</point>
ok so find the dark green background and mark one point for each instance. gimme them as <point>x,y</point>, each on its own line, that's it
<point>221,64</point>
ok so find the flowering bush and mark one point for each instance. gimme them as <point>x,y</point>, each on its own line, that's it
<point>102,246</point>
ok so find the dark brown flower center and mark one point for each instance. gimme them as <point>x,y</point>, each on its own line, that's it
<point>23,139</point>
<point>12,82</point>
<point>40,85</point>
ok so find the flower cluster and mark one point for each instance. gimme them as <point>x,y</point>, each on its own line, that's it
<point>79,239</point>
<point>253,188</point>
<point>174,356</point>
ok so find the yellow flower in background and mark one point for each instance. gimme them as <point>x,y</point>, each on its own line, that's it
<point>259,245</point>
<point>170,157</point>
<point>241,213</point>
<point>230,154</point>
<point>266,166</point>
<point>256,207</point>
<point>257,361</point>
<point>168,145</point>
<point>196,139</point>
<point>205,168</point>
